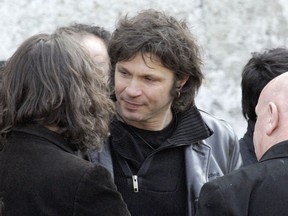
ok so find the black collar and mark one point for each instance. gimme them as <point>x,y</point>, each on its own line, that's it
<point>279,150</point>
<point>53,137</point>
<point>190,128</point>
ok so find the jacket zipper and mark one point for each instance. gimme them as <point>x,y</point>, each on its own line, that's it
<point>135,177</point>
<point>135,183</point>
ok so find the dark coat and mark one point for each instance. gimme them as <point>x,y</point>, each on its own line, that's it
<point>256,190</point>
<point>40,175</point>
<point>247,145</point>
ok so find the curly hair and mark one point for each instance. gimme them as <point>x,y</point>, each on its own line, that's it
<point>51,81</point>
<point>154,32</point>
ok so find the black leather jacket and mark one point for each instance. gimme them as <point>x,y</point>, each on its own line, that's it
<point>204,159</point>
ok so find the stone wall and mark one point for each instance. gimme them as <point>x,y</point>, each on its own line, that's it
<point>227,31</point>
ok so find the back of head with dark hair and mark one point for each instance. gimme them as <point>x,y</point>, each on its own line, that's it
<point>84,29</point>
<point>155,32</point>
<point>259,70</point>
<point>94,39</point>
<point>51,81</point>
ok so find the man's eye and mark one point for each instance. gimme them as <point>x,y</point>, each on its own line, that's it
<point>123,72</point>
<point>149,78</point>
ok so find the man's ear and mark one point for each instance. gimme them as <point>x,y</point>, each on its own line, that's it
<point>273,118</point>
<point>181,83</point>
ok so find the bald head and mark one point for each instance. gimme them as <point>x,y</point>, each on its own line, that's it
<point>272,115</point>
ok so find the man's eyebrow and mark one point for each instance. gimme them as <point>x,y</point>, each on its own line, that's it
<point>123,68</point>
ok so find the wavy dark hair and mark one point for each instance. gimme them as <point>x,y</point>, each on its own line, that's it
<point>51,81</point>
<point>154,32</point>
<point>259,70</point>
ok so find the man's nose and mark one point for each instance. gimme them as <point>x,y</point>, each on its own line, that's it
<point>133,89</point>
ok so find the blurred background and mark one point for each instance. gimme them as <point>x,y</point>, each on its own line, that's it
<point>228,31</point>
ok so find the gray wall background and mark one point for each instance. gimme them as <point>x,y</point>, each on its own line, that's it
<point>227,32</point>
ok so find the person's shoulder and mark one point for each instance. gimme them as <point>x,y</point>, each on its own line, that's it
<point>217,125</point>
<point>98,173</point>
<point>218,196</point>
<point>236,180</point>
<point>97,193</point>
<point>212,120</point>
<point>88,174</point>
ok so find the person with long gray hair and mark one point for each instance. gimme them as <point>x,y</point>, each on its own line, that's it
<point>54,103</point>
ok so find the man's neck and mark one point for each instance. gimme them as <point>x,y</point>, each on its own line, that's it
<point>53,128</point>
<point>152,125</point>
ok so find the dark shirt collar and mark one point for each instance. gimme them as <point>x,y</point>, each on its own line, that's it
<point>191,128</point>
<point>279,150</point>
<point>51,136</point>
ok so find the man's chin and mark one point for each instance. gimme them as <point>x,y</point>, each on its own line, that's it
<point>131,117</point>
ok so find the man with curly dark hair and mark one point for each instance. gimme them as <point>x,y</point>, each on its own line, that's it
<point>162,149</point>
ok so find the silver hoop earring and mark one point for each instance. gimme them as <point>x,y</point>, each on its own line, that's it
<point>178,94</point>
